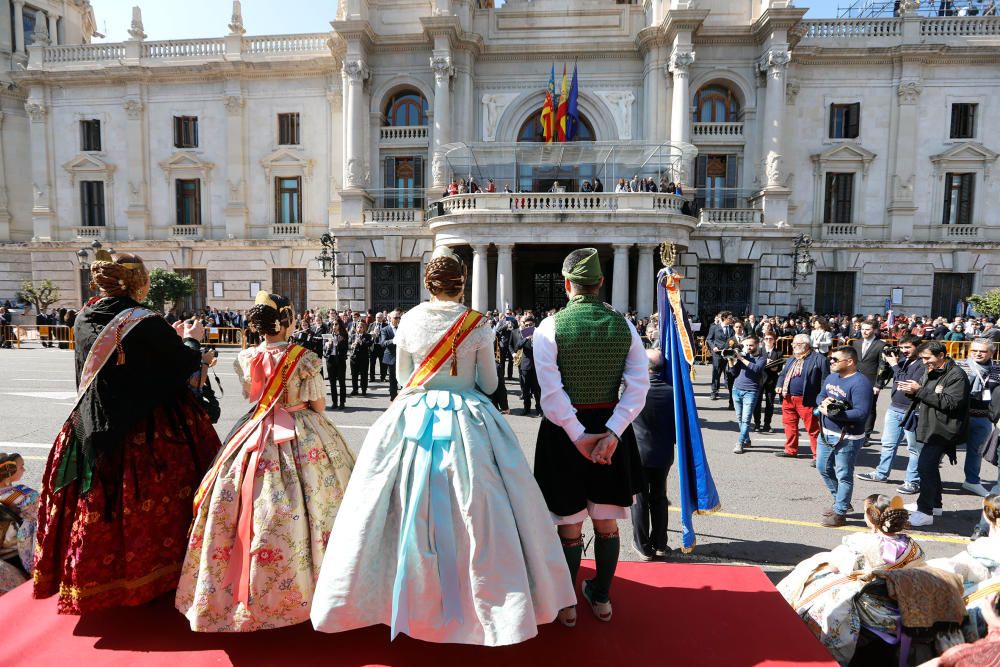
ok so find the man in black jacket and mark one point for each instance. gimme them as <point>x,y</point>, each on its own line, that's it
<point>387,342</point>
<point>774,363</point>
<point>871,365</point>
<point>520,339</point>
<point>718,339</point>
<point>359,346</point>
<point>655,436</point>
<point>943,422</point>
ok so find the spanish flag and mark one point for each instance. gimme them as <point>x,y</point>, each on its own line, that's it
<point>548,118</point>
<point>562,109</point>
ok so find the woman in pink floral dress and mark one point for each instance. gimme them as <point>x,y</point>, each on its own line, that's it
<point>264,511</point>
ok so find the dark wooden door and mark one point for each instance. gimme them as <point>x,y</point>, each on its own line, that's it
<point>835,292</point>
<point>724,287</point>
<point>291,283</point>
<point>949,290</point>
<point>395,285</point>
<point>550,291</point>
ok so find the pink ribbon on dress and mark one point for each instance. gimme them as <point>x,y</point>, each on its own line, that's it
<point>279,425</point>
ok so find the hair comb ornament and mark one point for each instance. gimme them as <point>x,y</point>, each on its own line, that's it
<point>896,503</point>
<point>445,251</point>
<point>264,299</point>
<point>103,255</point>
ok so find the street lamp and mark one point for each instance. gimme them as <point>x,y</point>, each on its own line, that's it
<point>83,254</point>
<point>326,258</point>
<point>802,263</point>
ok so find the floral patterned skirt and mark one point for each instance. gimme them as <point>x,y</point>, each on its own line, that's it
<point>95,556</point>
<point>297,490</point>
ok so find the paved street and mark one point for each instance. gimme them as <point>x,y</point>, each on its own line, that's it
<point>770,506</point>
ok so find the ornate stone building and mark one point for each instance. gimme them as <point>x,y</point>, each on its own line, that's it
<point>228,158</point>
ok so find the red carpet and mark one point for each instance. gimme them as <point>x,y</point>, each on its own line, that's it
<point>665,614</point>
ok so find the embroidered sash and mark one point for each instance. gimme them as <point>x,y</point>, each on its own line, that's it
<point>443,349</point>
<point>268,421</point>
<point>108,341</point>
<point>985,588</point>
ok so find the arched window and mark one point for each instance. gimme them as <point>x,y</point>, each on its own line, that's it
<point>531,130</point>
<point>405,108</point>
<point>716,103</point>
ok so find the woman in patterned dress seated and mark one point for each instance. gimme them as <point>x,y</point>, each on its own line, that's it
<point>18,521</point>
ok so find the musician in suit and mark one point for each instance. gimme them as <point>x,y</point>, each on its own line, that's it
<point>359,347</point>
<point>775,361</point>
<point>335,354</point>
<point>520,340</point>
<point>871,365</point>
<point>718,340</point>
<point>375,329</point>
<point>388,333</point>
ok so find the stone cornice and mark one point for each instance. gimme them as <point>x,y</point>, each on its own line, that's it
<point>450,27</point>
<point>682,20</point>
<point>182,72</point>
<point>912,53</point>
<point>354,30</point>
<point>777,19</point>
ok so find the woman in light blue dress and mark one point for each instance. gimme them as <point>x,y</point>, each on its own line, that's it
<point>443,533</point>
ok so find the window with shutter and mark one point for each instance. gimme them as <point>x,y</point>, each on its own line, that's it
<point>839,198</point>
<point>185,131</point>
<point>958,199</point>
<point>845,121</point>
<point>963,121</point>
<point>92,203</point>
<point>288,129</point>
<point>288,200</point>
<point>188,201</point>
<point>90,135</point>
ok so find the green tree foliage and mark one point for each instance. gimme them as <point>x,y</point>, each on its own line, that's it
<point>988,303</point>
<point>167,286</point>
<point>42,295</point>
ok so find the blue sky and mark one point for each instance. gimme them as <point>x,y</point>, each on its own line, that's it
<point>181,19</point>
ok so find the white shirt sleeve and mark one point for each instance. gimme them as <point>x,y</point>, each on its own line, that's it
<point>555,401</point>
<point>636,377</point>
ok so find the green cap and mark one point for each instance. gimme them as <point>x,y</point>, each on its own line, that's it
<point>587,270</point>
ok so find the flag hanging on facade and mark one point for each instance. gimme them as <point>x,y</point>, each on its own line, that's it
<point>572,115</point>
<point>561,110</point>
<point>697,488</point>
<point>548,117</point>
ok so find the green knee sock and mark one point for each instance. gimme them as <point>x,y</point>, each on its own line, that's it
<point>606,556</point>
<point>573,550</point>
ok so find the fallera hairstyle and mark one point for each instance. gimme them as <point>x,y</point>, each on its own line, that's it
<point>934,347</point>
<point>445,275</point>
<point>991,508</point>
<point>8,465</point>
<point>266,319</point>
<point>886,513</point>
<point>118,275</point>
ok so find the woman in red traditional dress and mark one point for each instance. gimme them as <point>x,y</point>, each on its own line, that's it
<point>117,492</point>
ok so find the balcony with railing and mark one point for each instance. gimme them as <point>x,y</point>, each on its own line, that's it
<point>717,133</point>
<point>91,233</point>
<point>836,232</point>
<point>889,30</point>
<point>403,135</point>
<point>287,230</point>
<point>186,232</point>
<point>730,216</point>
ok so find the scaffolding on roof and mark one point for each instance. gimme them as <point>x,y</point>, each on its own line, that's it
<point>862,9</point>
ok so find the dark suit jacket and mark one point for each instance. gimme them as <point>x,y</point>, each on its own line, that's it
<point>519,342</point>
<point>872,363</point>
<point>771,377</point>
<point>654,428</point>
<point>385,340</point>
<point>815,368</point>
<point>718,337</point>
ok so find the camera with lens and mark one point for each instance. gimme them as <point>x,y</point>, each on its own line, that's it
<point>835,407</point>
<point>729,353</point>
<point>891,350</point>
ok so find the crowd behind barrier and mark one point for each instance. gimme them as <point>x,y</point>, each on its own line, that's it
<point>33,335</point>
<point>957,349</point>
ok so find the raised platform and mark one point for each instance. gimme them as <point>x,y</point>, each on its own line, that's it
<point>665,614</point>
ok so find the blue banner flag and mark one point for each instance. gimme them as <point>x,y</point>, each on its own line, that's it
<point>697,488</point>
<point>572,114</point>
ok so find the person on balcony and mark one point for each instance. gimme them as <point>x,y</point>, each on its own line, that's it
<point>491,187</point>
<point>453,187</point>
<point>598,186</point>
<point>622,186</point>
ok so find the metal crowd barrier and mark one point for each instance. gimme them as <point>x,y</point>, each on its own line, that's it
<point>42,335</point>
<point>224,336</point>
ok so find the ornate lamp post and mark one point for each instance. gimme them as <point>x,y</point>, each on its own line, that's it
<point>802,263</point>
<point>327,258</point>
<point>83,254</point>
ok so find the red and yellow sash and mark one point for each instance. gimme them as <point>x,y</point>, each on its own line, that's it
<point>108,341</point>
<point>443,349</point>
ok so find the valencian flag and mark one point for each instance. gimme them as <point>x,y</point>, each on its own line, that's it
<point>548,118</point>
<point>561,110</point>
<point>698,492</point>
<point>572,114</point>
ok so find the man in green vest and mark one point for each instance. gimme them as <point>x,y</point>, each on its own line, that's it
<point>586,459</point>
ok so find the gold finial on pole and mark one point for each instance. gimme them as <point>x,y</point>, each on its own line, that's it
<point>668,254</point>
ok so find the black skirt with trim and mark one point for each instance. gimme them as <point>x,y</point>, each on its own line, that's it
<point>568,480</point>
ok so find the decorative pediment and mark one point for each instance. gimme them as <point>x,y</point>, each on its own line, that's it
<point>287,162</point>
<point>89,167</point>
<point>185,161</point>
<point>845,155</point>
<point>965,155</point>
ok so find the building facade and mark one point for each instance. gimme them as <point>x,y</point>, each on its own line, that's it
<point>228,158</point>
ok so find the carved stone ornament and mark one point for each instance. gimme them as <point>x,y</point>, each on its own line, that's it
<point>908,7</point>
<point>620,102</point>
<point>799,30</point>
<point>136,30</point>
<point>133,108</point>
<point>791,91</point>
<point>774,169</point>
<point>775,61</point>
<point>236,21</point>
<point>902,189</point>
<point>41,34</point>
<point>356,176</point>
<point>494,104</point>
<point>680,61</point>
<point>36,111</point>
<point>356,70</point>
<point>909,92</point>
<point>234,104</point>
<point>442,68</point>
<point>235,191</point>
<point>439,169</point>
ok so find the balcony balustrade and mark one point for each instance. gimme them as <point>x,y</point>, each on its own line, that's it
<point>91,233</point>
<point>403,135</point>
<point>557,202</point>
<point>730,216</point>
<point>720,133</point>
<point>186,232</point>
<point>287,231</point>
<point>394,216</point>
<point>961,233</point>
<point>836,232</point>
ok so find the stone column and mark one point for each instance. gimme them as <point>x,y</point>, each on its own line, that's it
<point>680,111</point>
<point>236,209</point>
<point>137,212</point>
<point>619,288</point>
<point>355,177</point>
<point>54,28</point>
<point>655,95</point>
<point>901,202</point>
<point>480,281</point>
<point>4,212</point>
<point>775,194</point>
<point>19,27</point>
<point>645,280</point>
<point>41,186</point>
<point>505,275</point>
<point>443,71</point>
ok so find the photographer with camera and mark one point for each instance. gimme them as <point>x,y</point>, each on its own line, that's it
<point>900,418</point>
<point>845,401</point>
<point>746,367</point>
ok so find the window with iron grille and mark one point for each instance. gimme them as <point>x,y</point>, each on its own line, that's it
<point>958,195</point>
<point>288,200</point>
<point>288,129</point>
<point>186,131</point>
<point>188,201</point>
<point>845,120</point>
<point>291,283</point>
<point>92,203</point>
<point>839,202</point>
<point>963,121</point>
<point>90,135</point>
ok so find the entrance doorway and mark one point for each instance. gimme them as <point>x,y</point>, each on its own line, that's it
<point>538,281</point>
<point>395,285</point>
<point>950,290</point>
<point>723,287</point>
